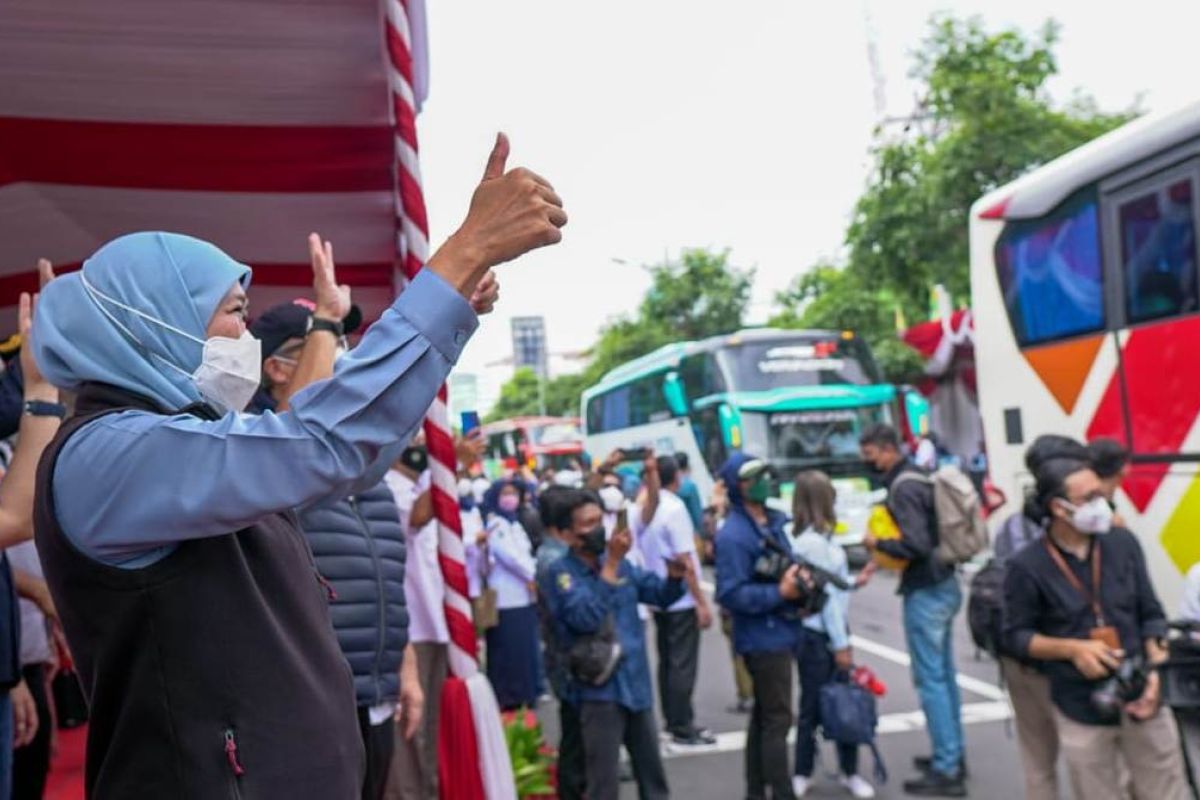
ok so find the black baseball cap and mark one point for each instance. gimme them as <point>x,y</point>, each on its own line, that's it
<point>290,321</point>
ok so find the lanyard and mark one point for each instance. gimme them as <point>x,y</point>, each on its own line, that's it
<point>1094,558</point>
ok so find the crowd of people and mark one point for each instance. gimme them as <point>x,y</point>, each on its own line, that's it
<point>229,517</point>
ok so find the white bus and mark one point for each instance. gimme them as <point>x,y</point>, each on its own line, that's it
<point>1087,318</point>
<point>798,399</point>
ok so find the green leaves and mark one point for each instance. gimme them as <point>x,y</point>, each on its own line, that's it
<point>532,761</point>
<point>985,118</point>
<point>699,295</point>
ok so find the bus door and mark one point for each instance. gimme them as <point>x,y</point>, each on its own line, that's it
<point>1151,402</point>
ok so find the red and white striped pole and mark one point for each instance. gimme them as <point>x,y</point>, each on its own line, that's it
<point>491,770</point>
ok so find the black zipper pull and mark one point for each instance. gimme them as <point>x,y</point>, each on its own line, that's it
<point>231,753</point>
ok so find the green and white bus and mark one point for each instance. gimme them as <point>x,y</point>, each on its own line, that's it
<point>798,398</point>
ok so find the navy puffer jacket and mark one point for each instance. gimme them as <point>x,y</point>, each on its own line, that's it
<point>359,547</point>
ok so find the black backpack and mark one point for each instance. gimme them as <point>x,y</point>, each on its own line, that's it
<point>985,608</point>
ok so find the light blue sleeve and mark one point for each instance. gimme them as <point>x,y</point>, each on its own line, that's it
<point>130,485</point>
<point>814,548</point>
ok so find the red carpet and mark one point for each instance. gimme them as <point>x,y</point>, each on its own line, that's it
<point>66,772</point>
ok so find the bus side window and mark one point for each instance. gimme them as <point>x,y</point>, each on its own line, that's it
<point>706,424</point>
<point>1051,275</point>
<point>647,401</point>
<point>609,411</point>
<point>701,376</point>
<point>1158,250</point>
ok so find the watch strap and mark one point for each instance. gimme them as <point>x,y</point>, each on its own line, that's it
<point>318,324</point>
<point>42,408</point>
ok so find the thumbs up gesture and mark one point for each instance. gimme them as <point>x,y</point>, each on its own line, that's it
<point>511,213</point>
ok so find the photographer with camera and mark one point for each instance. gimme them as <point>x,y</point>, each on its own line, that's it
<point>594,598</point>
<point>766,620</point>
<point>1080,600</point>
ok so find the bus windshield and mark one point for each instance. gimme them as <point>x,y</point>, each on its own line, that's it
<point>826,439</point>
<point>555,434</point>
<point>763,365</point>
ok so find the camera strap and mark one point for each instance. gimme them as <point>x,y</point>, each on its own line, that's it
<point>1092,597</point>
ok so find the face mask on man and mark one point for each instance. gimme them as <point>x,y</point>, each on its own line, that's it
<point>230,369</point>
<point>613,499</point>
<point>1095,517</point>
<point>760,490</point>
<point>594,541</point>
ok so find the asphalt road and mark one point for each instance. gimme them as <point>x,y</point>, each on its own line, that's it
<point>717,772</point>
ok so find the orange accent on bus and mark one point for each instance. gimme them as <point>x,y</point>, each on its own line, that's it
<point>1064,367</point>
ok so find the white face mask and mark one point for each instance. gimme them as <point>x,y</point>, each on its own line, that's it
<point>230,369</point>
<point>614,499</point>
<point>1094,517</point>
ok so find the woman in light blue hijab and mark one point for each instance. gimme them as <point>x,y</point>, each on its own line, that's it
<point>189,597</point>
<point>171,280</point>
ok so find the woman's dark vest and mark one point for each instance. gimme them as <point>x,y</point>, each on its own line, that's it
<point>213,673</point>
<point>359,547</point>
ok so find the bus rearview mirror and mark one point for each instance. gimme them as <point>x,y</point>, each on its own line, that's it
<point>675,395</point>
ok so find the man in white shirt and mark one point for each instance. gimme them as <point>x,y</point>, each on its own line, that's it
<point>669,536</point>
<point>414,769</point>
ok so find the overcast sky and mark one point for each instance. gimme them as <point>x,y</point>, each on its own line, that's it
<point>667,124</point>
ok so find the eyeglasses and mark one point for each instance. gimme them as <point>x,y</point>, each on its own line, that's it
<point>343,347</point>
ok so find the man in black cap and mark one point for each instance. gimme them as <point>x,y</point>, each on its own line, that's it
<point>357,541</point>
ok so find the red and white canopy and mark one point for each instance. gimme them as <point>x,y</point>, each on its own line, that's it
<point>248,123</point>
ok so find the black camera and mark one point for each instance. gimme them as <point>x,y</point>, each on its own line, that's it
<point>771,566</point>
<point>1125,685</point>
<point>1181,671</point>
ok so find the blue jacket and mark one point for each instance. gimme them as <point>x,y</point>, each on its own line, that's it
<point>762,620</point>
<point>358,545</point>
<point>581,600</point>
<point>553,656</point>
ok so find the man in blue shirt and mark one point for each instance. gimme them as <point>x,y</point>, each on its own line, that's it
<point>591,588</point>
<point>765,621</point>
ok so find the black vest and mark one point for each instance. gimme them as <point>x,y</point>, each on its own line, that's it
<point>212,673</point>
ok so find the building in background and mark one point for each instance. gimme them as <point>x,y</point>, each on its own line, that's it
<point>529,344</point>
<point>464,393</point>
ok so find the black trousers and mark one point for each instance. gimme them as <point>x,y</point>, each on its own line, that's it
<point>605,727</point>
<point>31,763</point>
<point>379,741</point>
<point>815,663</point>
<point>678,635</point>
<point>770,721</point>
<point>572,766</point>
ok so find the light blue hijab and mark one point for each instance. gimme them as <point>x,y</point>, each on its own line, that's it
<point>173,278</point>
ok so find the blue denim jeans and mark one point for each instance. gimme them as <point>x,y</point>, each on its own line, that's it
<point>928,627</point>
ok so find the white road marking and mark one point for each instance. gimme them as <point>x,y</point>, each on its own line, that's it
<point>981,688</point>
<point>903,722</point>
<point>974,685</point>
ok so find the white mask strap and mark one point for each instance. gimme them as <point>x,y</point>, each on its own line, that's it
<point>95,295</point>
<point>94,291</point>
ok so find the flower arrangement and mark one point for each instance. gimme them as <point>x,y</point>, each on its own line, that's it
<point>533,761</point>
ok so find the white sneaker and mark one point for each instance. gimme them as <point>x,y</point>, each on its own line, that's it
<point>800,785</point>
<point>858,787</point>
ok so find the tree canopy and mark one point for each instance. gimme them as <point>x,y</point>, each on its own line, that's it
<point>986,118</point>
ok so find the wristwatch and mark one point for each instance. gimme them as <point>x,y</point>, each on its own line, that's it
<point>318,324</point>
<point>41,408</point>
